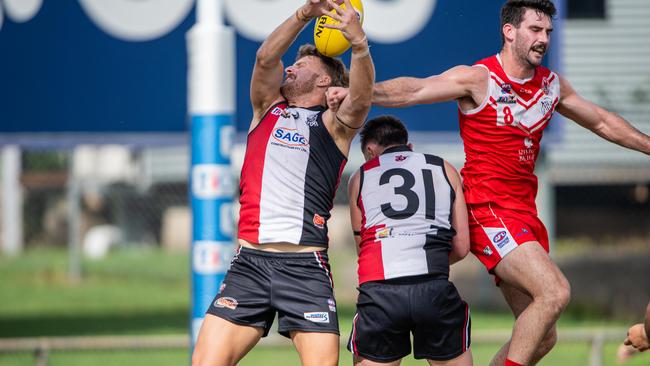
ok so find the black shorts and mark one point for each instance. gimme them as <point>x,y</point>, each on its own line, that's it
<point>298,286</point>
<point>430,308</point>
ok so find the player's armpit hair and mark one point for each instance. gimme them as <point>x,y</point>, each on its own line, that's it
<point>345,124</point>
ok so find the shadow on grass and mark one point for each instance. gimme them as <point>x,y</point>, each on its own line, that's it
<point>158,322</point>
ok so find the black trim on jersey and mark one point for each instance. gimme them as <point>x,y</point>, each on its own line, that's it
<point>398,148</point>
<point>321,123</point>
<point>437,248</point>
<point>322,177</point>
<point>318,108</point>
<point>436,160</point>
<point>264,116</point>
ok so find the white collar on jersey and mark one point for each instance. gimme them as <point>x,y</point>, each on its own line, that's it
<point>518,81</point>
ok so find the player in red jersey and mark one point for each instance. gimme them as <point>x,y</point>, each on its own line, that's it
<point>505,102</point>
<point>281,266</point>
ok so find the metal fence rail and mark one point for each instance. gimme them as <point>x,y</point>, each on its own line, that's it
<point>41,347</point>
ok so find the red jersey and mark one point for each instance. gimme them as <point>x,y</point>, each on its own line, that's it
<point>502,137</point>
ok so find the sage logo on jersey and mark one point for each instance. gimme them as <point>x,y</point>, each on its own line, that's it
<point>226,302</point>
<point>501,239</point>
<point>317,317</point>
<point>289,137</point>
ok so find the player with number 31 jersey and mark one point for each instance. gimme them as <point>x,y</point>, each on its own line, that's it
<point>410,222</point>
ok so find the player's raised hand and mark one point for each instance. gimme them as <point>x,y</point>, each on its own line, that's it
<point>334,96</point>
<point>313,8</point>
<point>348,21</point>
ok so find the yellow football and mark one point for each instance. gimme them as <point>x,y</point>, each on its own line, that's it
<point>331,42</point>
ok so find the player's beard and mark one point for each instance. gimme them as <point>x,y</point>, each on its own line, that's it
<point>291,90</point>
<point>525,54</point>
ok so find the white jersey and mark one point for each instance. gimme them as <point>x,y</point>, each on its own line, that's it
<point>406,202</point>
<point>291,171</point>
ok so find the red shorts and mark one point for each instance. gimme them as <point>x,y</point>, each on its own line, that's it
<point>494,232</point>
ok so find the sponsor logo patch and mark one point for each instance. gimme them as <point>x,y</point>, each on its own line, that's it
<point>317,317</point>
<point>501,239</point>
<point>400,158</point>
<point>508,99</point>
<point>547,104</point>
<point>528,143</point>
<point>312,121</point>
<point>289,137</point>
<point>319,221</point>
<point>487,251</point>
<point>331,304</point>
<point>521,232</point>
<point>226,302</point>
<point>287,113</point>
<point>384,233</point>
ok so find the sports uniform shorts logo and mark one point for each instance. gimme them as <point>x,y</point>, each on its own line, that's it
<point>319,221</point>
<point>331,304</point>
<point>501,239</point>
<point>289,137</point>
<point>317,317</point>
<point>487,251</point>
<point>226,302</point>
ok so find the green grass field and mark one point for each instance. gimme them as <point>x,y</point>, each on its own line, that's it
<point>144,291</point>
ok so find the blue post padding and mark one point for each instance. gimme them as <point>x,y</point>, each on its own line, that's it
<point>212,191</point>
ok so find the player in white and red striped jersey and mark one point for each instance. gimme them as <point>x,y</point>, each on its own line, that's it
<point>504,103</point>
<point>295,153</point>
<point>410,221</point>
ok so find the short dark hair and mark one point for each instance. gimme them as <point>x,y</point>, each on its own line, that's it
<point>384,131</point>
<point>512,12</point>
<point>335,67</point>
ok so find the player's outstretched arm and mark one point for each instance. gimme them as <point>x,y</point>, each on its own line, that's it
<point>355,211</point>
<point>460,242</point>
<point>353,110</point>
<point>602,122</point>
<point>268,70</point>
<point>455,83</point>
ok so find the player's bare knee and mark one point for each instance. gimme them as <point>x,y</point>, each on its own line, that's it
<point>556,299</point>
